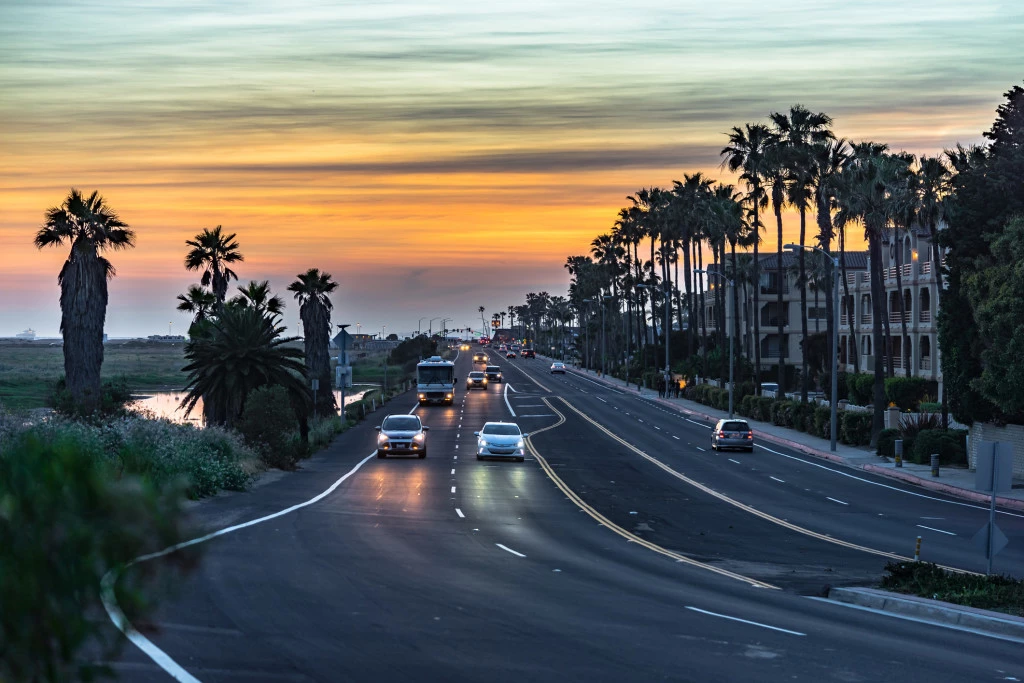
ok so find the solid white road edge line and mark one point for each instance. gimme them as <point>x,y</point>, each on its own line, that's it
<point>745,621</point>
<point>939,624</point>
<point>886,486</point>
<point>459,513</point>
<point>781,481</point>
<point>159,657</point>
<point>948,533</point>
<point>507,549</point>
<point>735,461</point>
<point>509,405</point>
<point>836,500</point>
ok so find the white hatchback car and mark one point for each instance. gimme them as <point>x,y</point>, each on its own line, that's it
<point>500,440</point>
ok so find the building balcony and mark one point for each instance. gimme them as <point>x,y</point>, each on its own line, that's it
<point>894,317</point>
<point>865,319</point>
<point>926,363</point>
<point>924,316</point>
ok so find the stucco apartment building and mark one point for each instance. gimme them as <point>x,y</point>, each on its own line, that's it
<point>920,283</point>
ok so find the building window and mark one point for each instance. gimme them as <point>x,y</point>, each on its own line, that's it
<point>865,344</point>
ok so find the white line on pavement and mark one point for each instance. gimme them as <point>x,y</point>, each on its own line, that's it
<point>699,424</point>
<point>507,549</point>
<point>507,387</point>
<point>453,470</point>
<point>601,399</point>
<point>948,533</point>
<point>700,449</point>
<point>781,481</point>
<point>745,621</point>
<point>834,500</point>
<point>676,437</point>
<point>735,461</point>
<point>453,489</point>
<point>459,513</point>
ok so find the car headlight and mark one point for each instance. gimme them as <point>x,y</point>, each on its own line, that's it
<point>423,396</point>
<point>418,437</point>
<point>483,442</point>
<point>519,444</point>
<point>382,438</point>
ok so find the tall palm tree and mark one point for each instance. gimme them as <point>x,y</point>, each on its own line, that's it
<point>312,290</point>
<point>905,203</point>
<point>201,303</point>
<point>934,176</point>
<point>776,176</point>
<point>90,227</point>
<point>213,252</point>
<point>747,151</point>
<point>868,179</point>
<point>243,351</point>
<point>483,321</point>
<point>258,295</point>
<point>798,132</point>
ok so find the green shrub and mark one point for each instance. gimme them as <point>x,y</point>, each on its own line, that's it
<point>803,417</point>
<point>855,428</point>
<point>913,424</point>
<point>66,519</point>
<point>823,421</point>
<point>114,396</point>
<point>887,442</point>
<point>905,392</point>
<point>778,413</point>
<point>763,408</point>
<point>945,442</point>
<point>268,425</point>
<point>746,406</point>
<point>926,580</point>
<point>929,407</point>
<point>860,388</point>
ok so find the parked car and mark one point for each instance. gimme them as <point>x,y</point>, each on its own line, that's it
<point>402,434</point>
<point>493,373</point>
<point>479,357</point>
<point>558,366</point>
<point>476,380</point>
<point>732,434</point>
<point>500,440</point>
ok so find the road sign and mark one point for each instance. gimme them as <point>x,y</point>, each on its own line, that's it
<point>994,468</point>
<point>316,384</point>
<point>999,540</point>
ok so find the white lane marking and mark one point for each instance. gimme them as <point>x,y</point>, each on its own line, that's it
<point>657,427</point>
<point>161,658</point>
<point>781,481</point>
<point>456,445</point>
<point>453,489</point>
<point>897,615</point>
<point>886,486</point>
<point>745,621</point>
<point>699,424</point>
<point>735,461</point>
<point>453,470</point>
<point>539,415</point>
<point>675,437</point>
<point>507,549</point>
<point>700,449</point>
<point>600,399</point>
<point>948,533</point>
<point>835,500</point>
<point>603,386</point>
<point>459,513</point>
<point>507,387</point>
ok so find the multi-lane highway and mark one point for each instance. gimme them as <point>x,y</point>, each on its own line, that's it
<point>623,549</point>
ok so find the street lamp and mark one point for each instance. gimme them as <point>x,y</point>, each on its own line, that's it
<point>444,331</point>
<point>343,373</point>
<point>419,326</point>
<point>732,336</point>
<point>430,326</point>
<point>835,336</point>
<point>586,363</point>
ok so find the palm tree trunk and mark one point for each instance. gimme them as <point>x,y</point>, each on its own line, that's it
<point>851,318</point>
<point>878,305</point>
<point>804,374</point>
<point>735,298</point>
<point>757,300</point>
<point>937,272</point>
<point>688,284</point>
<point>781,312</point>
<point>83,305</point>
<point>904,346</point>
<point>703,316</point>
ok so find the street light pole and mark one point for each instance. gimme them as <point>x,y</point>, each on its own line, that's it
<point>732,336</point>
<point>430,326</point>
<point>834,408</point>
<point>344,373</point>
<point>668,336</point>
<point>419,326</point>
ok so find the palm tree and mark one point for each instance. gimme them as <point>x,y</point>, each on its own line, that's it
<point>200,303</point>
<point>311,289</point>
<point>483,322</point>
<point>797,134</point>
<point>747,152</point>
<point>90,227</point>
<point>257,295</point>
<point>933,177</point>
<point>212,252</point>
<point>243,351</point>
<point>776,176</point>
<point>905,201</point>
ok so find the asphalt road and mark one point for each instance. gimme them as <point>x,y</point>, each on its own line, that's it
<point>590,562</point>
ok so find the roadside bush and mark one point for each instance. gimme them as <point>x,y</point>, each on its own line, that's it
<point>803,417</point>
<point>114,396</point>
<point>762,408</point>
<point>945,442</point>
<point>926,580</point>
<point>887,442</point>
<point>929,407</point>
<point>823,421</point>
<point>855,428</point>
<point>913,424</point>
<point>322,433</point>
<point>860,388</point>
<point>746,406</point>
<point>778,413</point>
<point>905,392</point>
<point>268,425</point>
<point>65,521</point>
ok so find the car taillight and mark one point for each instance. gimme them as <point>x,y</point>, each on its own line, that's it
<point>750,435</point>
<point>721,435</point>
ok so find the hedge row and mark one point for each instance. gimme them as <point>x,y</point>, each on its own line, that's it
<point>950,444</point>
<point>907,393</point>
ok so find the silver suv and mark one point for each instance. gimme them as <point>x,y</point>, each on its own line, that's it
<point>402,434</point>
<point>732,434</point>
<point>500,440</point>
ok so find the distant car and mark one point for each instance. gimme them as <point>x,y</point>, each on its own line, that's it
<point>732,434</point>
<point>464,347</point>
<point>479,357</point>
<point>510,354</point>
<point>529,353</point>
<point>493,373</point>
<point>402,434</point>
<point>500,440</point>
<point>558,366</point>
<point>476,380</point>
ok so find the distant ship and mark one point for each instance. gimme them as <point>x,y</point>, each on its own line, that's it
<point>27,334</point>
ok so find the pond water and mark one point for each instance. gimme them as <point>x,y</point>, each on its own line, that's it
<point>166,404</point>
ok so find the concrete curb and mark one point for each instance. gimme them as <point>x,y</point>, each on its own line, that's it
<point>936,611</point>
<point>941,487</point>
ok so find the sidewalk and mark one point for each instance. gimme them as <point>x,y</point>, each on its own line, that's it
<point>955,481</point>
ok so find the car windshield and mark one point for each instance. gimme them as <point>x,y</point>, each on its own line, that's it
<point>435,375</point>
<point>402,423</point>
<point>502,430</point>
<point>476,375</point>
<point>493,368</point>
<point>736,427</point>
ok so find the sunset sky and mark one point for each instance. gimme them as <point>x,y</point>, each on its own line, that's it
<point>435,156</point>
